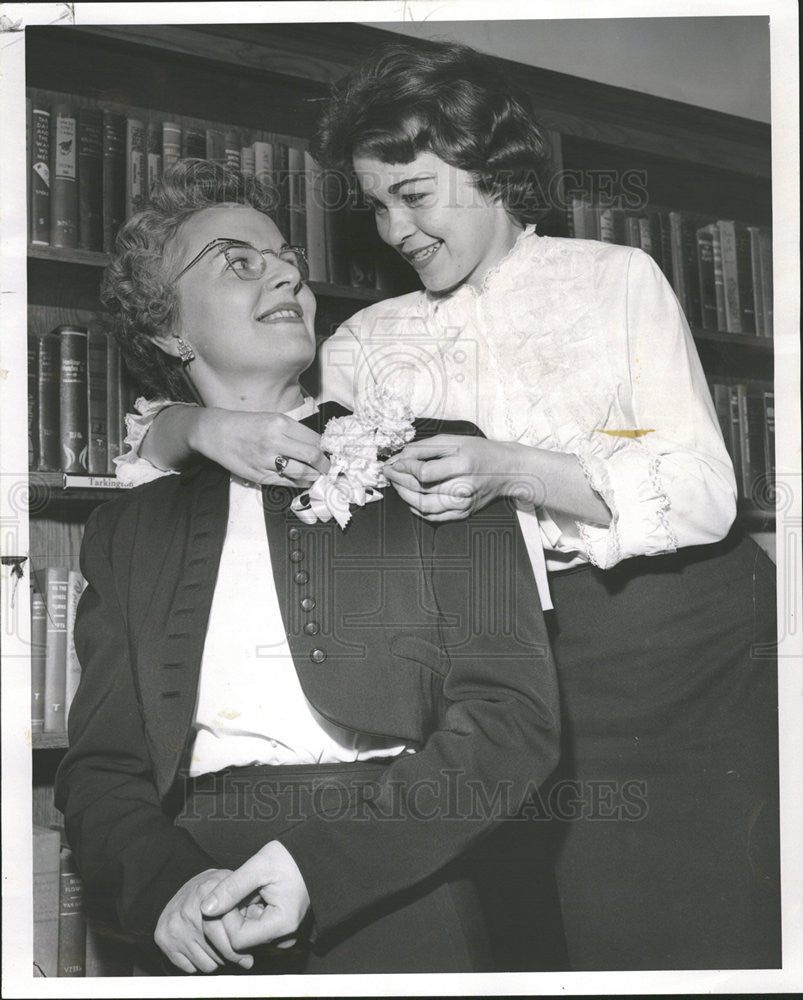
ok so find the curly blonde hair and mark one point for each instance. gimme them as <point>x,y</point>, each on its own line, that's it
<point>137,287</point>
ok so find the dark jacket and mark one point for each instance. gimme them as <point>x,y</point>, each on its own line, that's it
<point>432,635</point>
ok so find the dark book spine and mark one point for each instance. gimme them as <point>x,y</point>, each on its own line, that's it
<point>691,282</point>
<point>72,929</point>
<point>744,276</point>
<point>735,437</point>
<point>33,401</point>
<point>298,196</point>
<point>282,181</point>
<point>113,427</point>
<point>154,155</point>
<point>171,144</point>
<point>72,398</point>
<point>758,288</point>
<point>215,145</point>
<point>64,171</point>
<point>231,148</point>
<point>134,166</point>
<point>769,432</point>
<point>56,649</point>
<point>45,901</point>
<point>114,172</point>
<point>193,144</point>
<point>38,661</point>
<point>48,368</point>
<point>90,179</point>
<point>707,280</point>
<point>40,175</point>
<point>730,280</point>
<point>98,449</point>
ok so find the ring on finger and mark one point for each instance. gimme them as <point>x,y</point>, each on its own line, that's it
<point>280,463</point>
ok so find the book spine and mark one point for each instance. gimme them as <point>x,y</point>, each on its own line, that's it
<point>48,368</point>
<point>215,142</point>
<point>153,155</point>
<point>578,217</point>
<point>97,417</point>
<point>707,281</point>
<point>113,427</point>
<point>744,441</point>
<point>298,196</point>
<point>45,901</point>
<point>90,179</point>
<point>691,280</point>
<point>75,587</point>
<point>756,431</point>
<point>281,178</point>
<point>231,148</point>
<point>247,167</point>
<point>606,228</point>
<point>316,220</point>
<point>665,243</point>
<point>64,171</point>
<point>72,929</point>
<point>263,163</point>
<point>747,313</point>
<point>632,231</point>
<point>730,277</point>
<point>134,166</point>
<point>719,281</point>
<point>56,649</point>
<point>38,661</point>
<point>33,401</point>
<point>40,175</point>
<point>619,233</point>
<point>193,144</point>
<point>677,278</point>
<point>765,252</point>
<point>114,176</point>
<point>171,144</point>
<point>735,437</point>
<point>72,398</point>
<point>769,432</point>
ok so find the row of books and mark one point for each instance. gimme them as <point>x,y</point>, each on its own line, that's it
<point>78,395</point>
<point>746,413</point>
<point>720,269</point>
<point>55,669</point>
<point>65,943</point>
<point>92,166</point>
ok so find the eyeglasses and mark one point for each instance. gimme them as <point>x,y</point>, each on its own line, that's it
<point>248,263</point>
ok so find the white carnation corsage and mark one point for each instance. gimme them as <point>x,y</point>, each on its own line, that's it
<point>357,446</point>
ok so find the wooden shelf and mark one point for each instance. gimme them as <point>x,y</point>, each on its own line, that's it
<point>49,741</point>
<point>749,340</point>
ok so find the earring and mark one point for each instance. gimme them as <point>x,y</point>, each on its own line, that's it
<point>185,352</point>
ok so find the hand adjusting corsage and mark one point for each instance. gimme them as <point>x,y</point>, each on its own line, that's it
<point>357,446</point>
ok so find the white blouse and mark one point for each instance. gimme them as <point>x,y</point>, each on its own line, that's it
<point>574,346</point>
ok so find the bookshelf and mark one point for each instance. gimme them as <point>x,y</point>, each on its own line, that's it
<point>273,77</point>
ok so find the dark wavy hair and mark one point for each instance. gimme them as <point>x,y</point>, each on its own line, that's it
<point>137,287</point>
<point>443,98</point>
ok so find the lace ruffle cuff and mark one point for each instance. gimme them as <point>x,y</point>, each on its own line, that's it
<point>130,467</point>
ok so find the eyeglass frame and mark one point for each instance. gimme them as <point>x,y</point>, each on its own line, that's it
<point>231,241</point>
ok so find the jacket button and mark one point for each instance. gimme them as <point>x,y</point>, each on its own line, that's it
<point>301,577</point>
<point>312,628</point>
<point>307,603</point>
<point>294,533</point>
<point>318,655</point>
<point>296,556</point>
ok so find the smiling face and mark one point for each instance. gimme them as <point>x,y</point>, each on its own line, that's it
<point>435,217</point>
<point>251,339</point>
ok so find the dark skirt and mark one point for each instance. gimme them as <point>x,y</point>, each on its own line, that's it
<point>436,926</point>
<point>664,812</point>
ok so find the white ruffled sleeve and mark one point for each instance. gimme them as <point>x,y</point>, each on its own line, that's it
<point>131,468</point>
<point>674,485</point>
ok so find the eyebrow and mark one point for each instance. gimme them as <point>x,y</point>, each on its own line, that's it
<point>410,180</point>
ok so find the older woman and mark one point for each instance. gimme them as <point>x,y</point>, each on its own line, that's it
<point>337,715</point>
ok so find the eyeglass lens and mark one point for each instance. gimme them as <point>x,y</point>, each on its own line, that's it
<point>250,263</point>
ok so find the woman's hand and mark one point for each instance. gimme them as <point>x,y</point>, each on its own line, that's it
<point>449,476</point>
<point>190,941</point>
<point>264,900</point>
<point>247,445</point>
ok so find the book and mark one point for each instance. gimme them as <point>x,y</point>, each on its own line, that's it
<point>97,416</point>
<point>114,429</point>
<point>297,196</point>
<point>171,144</point>
<point>135,170</point>
<point>90,179</point>
<point>337,221</point>
<point>75,587</point>
<point>606,227</point>
<point>48,376</point>
<point>316,219</point>
<point>153,156</point>
<point>719,282</point>
<point>72,929</point>
<point>40,174</point>
<point>46,847</point>
<point>38,660</point>
<point>33,401</point>
<point>64,177</point>
<point>733,441</point>
<point>755,484</point>
<point>56,585</point>
<point>765,254</point>
<point>755,277</point>
<point>665,242</point>
<point>231,148</point>
<point>215,142</point>
<point>247,168</point>
<point>632,231</point>
<point>114,176</point>
<point>730,276</point>
<point>107,954</point>
<point>281,180</point>
<point>692,303</point>
<point>73,397</point>
<point>769,432</point>
<point>193,143</point>
<point>745,464</point>
<point>263,163</point>
<point>706,278</point>
<point>744,275</point>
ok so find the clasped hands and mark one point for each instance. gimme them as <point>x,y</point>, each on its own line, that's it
<point>219,916</point>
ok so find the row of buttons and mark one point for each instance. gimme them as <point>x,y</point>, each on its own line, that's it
<point>307,603</point>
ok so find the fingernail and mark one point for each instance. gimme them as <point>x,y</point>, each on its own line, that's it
<point>209,904</point>
<point>246,962</point>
